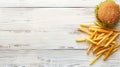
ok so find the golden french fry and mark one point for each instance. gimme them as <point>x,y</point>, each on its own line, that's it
<point>99,30</point>
<point>80,39</point>
<point>97,39</point>
<point>97,50</point>
<point>92,36</point>
<point>88,39</point>
<point>118,45</point>
<point>114,37</point>
<point>81,29</point>
<point>113,42</point>
<point>89,48</point>
<point>104,42</point>
<point>94,59</point>
<point>95,36</point>
<point>101,52</point>
<point>115,48</point>
<point>95,27</point>
<point>97,23</point>
<point>108,53</point>
<point>113,51</point>
<point>101,35</point>
<point>85,25</point>
<point>94,49</point>
<point>105,37</point>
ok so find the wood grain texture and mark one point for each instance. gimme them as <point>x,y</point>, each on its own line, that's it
<point>53,58</point>
<point>42,33</point>
<point>50,3</point>
<point>42,28</point>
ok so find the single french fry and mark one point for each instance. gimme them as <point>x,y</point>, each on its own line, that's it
<point>97,23</point>
<point>89,48</point>
<point>94,59</point>
<point>80,39</point>
<point>108,53</point>
<point>95,27</point>
<point>105,37</point>
<point>99,30</point>
<point>113,42</point>
<point>118,45</point>
<point>85,25</point>
<point>95,36</point>
<point>91,41</point>
<point>113,38</point>
<point>81,29</point>
<point>98,39</point>
<point>114,50</point>
<point>92,36</point>
<point>101,35</point>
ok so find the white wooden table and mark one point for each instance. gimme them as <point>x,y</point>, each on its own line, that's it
<point>42,33</point>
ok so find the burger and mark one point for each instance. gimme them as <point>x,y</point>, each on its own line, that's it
<point>107,13</point>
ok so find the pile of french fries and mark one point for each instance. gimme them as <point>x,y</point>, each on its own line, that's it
<point>102,41</point>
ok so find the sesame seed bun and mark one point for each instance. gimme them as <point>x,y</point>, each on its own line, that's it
<point>108,13</point>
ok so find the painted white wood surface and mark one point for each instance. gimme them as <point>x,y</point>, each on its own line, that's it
<point>50,3</point>
<point>41,28</point>
<point>42,33</point>
<point>53,58</point>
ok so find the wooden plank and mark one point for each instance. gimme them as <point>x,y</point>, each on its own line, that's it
<point>49,3</point>
<point>53,58</point>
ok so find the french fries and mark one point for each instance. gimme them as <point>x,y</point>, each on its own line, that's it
<point>104,38</point>
<point>92,36</point>
<point>101,35</point>
<point>89,48</point>
<point>99,30</point>
<point>101,41</point>
<point>108,53</point>
<point>85,25</point>
<point>94,59</point>
<point>102,51</point>
<point>91,41</point>
<point>80,39</point>
<point>114,37</point>
<point>83,30</point>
